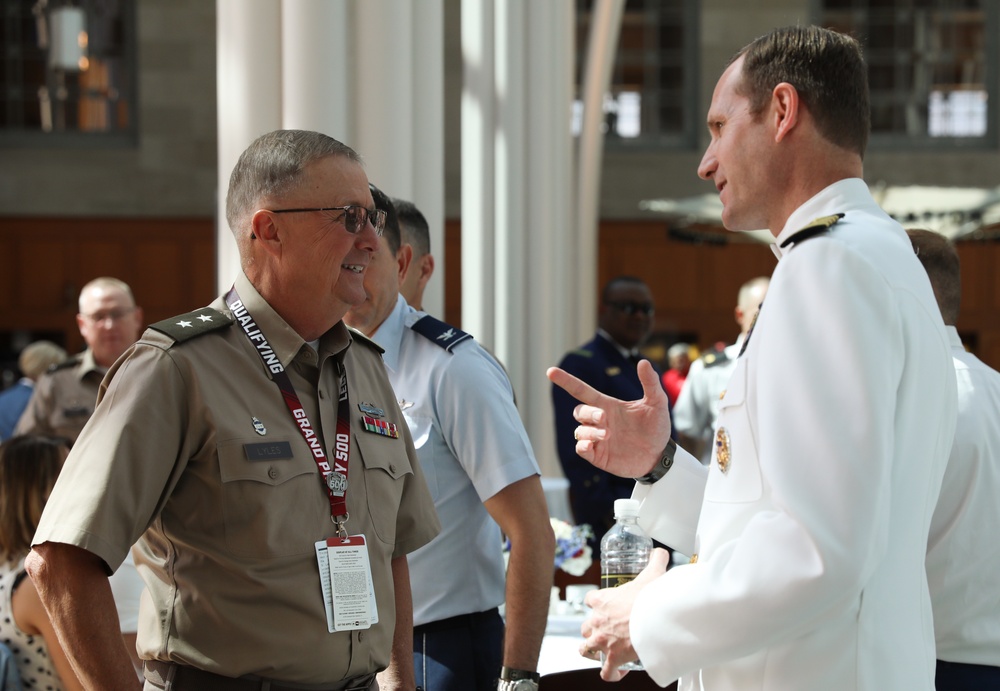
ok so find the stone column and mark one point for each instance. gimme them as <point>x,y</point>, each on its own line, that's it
<point>367,72</point>
<point>518,290</point>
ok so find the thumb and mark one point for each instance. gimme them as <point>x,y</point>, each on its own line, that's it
<point>652,388</point>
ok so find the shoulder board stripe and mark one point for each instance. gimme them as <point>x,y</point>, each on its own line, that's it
<point>812,229</point>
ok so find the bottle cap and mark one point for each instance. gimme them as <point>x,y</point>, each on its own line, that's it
<point>627,507</point>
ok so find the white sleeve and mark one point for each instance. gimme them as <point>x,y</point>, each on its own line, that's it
<point>795,544</point>
<point>670,507</point>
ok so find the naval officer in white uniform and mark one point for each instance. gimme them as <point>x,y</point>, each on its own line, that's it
<point>809,528</point>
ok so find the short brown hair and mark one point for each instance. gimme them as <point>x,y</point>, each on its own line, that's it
<point>940,260</point>
<point>827,70</point>
<point>29,465</point>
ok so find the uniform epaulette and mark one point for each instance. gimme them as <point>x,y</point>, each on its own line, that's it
<point>581,352</point>
<point>187,326</point>
<point>358,336</point>
<point>812,229</point>
<point>439,333</point>
<point>715,357</point>
<point>65,364</point>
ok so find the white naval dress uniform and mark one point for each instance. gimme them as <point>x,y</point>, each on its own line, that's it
<point>837,424</point>
<point>459,407</point>
<point>962,556</point>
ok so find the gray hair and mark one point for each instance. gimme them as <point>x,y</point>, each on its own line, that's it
<point>269,167</point>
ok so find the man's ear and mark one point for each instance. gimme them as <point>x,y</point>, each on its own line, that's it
<point>784,109</point>
<point>265,231</point>
<point>404,256</point>
<point>426,268</point>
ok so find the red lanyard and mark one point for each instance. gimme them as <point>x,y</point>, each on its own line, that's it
<point>334,479</point>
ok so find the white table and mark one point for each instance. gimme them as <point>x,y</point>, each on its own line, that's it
<point>561,646</point>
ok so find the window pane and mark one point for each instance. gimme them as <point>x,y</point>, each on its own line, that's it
<point>653,69</point>
<point>68,68</point>
<point>928,69</point>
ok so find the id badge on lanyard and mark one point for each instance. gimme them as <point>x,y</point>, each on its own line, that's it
<point>344,566</point>
<point>346,580</point>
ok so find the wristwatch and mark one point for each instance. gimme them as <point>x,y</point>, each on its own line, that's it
<point>662,466</point>
<point>517,680</point>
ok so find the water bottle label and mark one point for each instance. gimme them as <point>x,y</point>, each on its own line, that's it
<point>613,580</point>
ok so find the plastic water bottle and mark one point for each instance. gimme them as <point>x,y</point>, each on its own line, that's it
<point>624,552</point>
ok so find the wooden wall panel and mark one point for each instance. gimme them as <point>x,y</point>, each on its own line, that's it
<point>695,285</point>
<point>169,263</point>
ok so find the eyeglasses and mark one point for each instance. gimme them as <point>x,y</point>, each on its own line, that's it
<point>111,315</point>
<point>630,308</point>
<point>355,217</point>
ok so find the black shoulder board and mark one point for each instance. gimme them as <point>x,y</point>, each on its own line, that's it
<point>440,333</point>
<point>65,364</point>
<point>715,357</point>
<point>812,229</point>
<point>187,326</point>
<point>358,336</point>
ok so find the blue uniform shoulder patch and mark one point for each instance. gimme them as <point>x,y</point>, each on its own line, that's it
<point>439,333</point>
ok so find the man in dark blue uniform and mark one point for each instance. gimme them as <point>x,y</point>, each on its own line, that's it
<point>608,363</point>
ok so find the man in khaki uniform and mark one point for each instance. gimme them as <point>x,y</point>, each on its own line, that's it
<point>64,397</point>
<point>255,450</point>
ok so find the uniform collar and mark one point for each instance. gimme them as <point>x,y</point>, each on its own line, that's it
<point>88,365</point>
<point>849,193</point>
<point>389,334</point>
<point>283,339</point>
<point>622,350</point>
<point>953,338</point>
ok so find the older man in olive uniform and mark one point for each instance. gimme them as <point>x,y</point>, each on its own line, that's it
<point>234,443</point>
<point>64,398</point>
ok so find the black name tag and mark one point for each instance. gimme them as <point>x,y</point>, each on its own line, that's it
<point>268,451</point>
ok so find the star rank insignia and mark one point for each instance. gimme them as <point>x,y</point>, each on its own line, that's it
<point>386,429</point>
<point>185,327</point>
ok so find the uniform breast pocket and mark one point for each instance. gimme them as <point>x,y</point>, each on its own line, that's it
<point>270,506</point>
<point>386,468</point>
<point>734,475</point>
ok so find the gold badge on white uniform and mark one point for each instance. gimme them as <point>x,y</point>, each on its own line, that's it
<point>723,452</point>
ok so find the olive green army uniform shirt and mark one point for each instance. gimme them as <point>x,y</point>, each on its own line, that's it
<point>227,543</point>
<point>64,398</point>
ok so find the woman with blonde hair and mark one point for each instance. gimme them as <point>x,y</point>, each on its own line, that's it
<point>29,466</point>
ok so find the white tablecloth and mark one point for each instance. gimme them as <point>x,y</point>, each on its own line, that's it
<point>561,645</point>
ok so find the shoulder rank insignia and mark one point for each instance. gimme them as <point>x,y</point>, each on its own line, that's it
<point>65,364</point>
<point>812,229</point>
<point>188,326</point>
<point>715,357</point>
<point>440,333</point>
